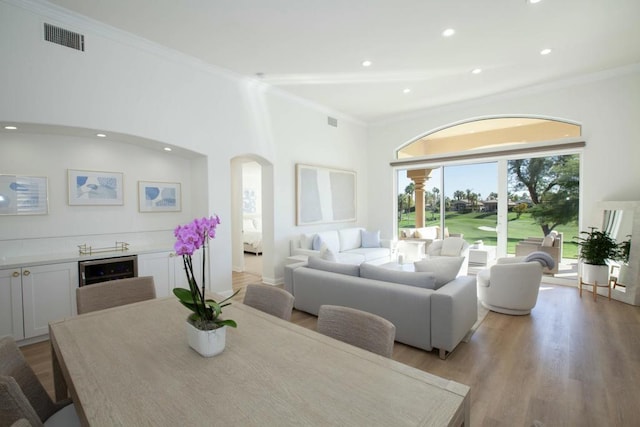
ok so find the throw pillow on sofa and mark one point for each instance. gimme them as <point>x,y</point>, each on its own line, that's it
<point>452,246</point>
<point>445,269</point>
<point>316,243</point>
<point>421,280</point>
<point>370,239</point>
<point>327,254</point>
<point>333,267</point>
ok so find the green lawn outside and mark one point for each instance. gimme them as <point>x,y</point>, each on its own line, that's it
<point>519,229</point>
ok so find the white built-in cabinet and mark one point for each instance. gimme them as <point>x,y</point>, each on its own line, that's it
<point>11,322</point>
<point>167,270</point>
<point>31,297</point>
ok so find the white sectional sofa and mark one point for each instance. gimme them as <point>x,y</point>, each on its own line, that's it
<point>425,314</point>
<point>347,245</point>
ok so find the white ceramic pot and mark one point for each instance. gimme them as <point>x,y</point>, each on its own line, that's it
<point>595,274</point>
<point>207,343</point>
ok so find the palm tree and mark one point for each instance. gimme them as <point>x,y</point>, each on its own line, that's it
<point>409,190</point>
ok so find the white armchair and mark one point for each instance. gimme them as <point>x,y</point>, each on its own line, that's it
<point>451,246</point>
<point>510,286</point>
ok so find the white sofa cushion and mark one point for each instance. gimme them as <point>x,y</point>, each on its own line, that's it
<point>329,238</point>
<point>349,238</point>
<point>306,241</point>
<point>445,269</point>
<point>370,239</point>
<point>334,267</point>
<point>421,280</point>
<point>369,254</point>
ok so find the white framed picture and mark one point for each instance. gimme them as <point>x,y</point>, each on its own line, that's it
<point>324,195</point>
<point>88,188</point>
<point>23,195</point>
<point>159,196</point>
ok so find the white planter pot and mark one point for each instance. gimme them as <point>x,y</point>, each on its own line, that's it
<point>207,343</point>
<point>595,274</point>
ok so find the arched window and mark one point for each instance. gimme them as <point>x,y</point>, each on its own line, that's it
<point>489,136</point>
<point>493,181</point>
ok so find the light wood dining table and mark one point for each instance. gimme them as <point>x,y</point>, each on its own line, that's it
<point>132,366</point>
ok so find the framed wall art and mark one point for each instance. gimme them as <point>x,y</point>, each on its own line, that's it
<point>324,195</point>
<point>159,196</point>
<point>95,188</point>
<point>23,195</point>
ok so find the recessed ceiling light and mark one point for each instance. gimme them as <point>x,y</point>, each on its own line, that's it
<point>406,90</point>
<point>533,1</point>
<point>167,148</point>
<point>366,63</point>
<point>101,135</point>
<point>448,32</point>
<point>10,127</point>
<point>476,70</point>
<point>545,51</point>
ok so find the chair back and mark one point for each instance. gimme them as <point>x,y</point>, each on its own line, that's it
<point>14,405</point>
<point>360,328</point>
<point>13,365</point>
<point>269,299</point>
<point>114,293</point>
<point>449,246</point>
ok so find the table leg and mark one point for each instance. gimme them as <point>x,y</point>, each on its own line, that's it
<point>60,386</point>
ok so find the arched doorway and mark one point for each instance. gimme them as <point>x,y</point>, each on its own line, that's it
<point>252,216</point>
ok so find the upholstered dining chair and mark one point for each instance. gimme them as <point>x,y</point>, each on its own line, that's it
<point>271,300</point>
<point>22,396</point>
<point>360,328</point>
<point>114,293</point>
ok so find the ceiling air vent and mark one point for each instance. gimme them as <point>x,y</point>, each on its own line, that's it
<point>332,121</point>
<point>63,37</point>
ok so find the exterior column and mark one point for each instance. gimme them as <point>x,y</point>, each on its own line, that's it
<point>419,178</point>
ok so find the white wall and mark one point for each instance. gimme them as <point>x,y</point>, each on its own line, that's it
<point>606,105</point>
<point>51,155</point>
<point>126,85</point>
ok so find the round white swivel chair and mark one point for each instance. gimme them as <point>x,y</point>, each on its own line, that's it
<point>510,286</point>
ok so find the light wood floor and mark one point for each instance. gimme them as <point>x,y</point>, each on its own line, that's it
<point>572,362</point>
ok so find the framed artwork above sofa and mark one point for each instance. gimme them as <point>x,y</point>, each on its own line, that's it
<point>324,195</point>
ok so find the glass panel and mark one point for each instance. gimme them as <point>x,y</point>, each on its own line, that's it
<point>406,194</point>
<point>544,198</point>
<point>472,202</point>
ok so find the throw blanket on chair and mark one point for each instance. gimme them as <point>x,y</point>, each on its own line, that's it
<point>542,257</point>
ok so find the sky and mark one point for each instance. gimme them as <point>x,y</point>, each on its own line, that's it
<point>479,178</point>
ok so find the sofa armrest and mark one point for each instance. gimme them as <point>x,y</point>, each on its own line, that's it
<point>288,275</point>
<point>454,310</point>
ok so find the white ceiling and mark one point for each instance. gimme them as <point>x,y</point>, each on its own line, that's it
<point>314,49</point>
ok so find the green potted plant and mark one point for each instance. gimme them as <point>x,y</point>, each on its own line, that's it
<point>206,330</point>
<point>596,248</point>
<point>624,249</point>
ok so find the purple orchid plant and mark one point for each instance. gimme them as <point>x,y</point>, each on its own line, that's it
<point>189,238</point>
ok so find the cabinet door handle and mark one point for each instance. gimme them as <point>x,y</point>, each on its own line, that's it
<point>15,274</point>
<point>26,272</point>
